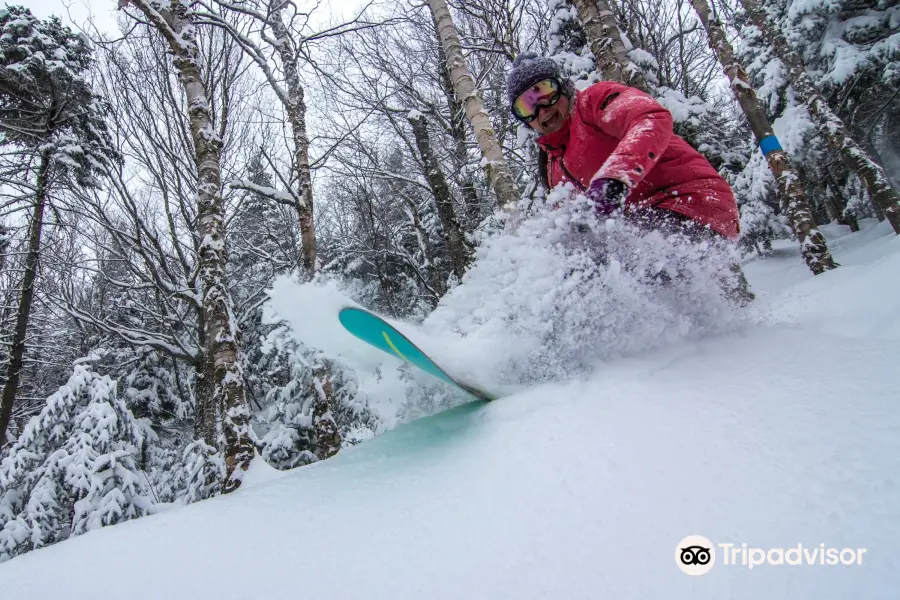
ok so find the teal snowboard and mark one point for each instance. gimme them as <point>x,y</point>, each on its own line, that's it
<point>377,332</point>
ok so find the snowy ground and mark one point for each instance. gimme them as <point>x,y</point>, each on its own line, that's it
<point>785,431</point>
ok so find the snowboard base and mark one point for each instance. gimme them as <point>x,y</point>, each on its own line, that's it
<point>377,332</point>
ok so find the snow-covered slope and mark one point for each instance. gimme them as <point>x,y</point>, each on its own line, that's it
<point>784,432</point>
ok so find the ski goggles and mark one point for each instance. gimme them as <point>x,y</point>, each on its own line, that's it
<point>541,94</point>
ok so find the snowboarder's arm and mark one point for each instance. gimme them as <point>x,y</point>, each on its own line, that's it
<point>642,125</point>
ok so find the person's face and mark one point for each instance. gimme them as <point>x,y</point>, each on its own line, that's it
<point>551,118</point>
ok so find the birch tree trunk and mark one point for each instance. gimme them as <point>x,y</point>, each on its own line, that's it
<point>460,148</point>
<point>790,192</point>
<point>829,124</point>
<point>295,108</point>
<point>17,352</point>
<point>228,397</point>
<point>496,167</point>
<point>328,438</point>
<point>456,242</point>
<point>607,45</point>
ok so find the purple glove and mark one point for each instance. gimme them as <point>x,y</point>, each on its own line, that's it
<point>608,195</point>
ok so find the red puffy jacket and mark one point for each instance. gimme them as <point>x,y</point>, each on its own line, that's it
<point>618,132</point>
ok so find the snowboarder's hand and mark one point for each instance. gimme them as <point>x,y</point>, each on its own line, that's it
<point>608,195</point>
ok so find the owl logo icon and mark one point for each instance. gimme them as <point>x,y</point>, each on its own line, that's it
<point>695,555</point>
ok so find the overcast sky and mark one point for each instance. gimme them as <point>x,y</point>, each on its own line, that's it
<point>76,12</point>
<point>103,11</point>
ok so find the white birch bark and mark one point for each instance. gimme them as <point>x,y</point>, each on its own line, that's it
<point>225,394</point>
<point>829,124</point>
<point>790,191</point>
<point>496,167</point>
<point>606,43</point>
<point>295,107</point>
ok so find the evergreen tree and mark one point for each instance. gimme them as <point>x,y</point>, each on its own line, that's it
<point>568,44</point>
<point>150,389</point>
<point>793,197</point>
<point>203,472</point>
<point>48,109</point>
<point>313,405</point>
<point>73,469</point>
<point>830,125</point>
<point>819,166</point>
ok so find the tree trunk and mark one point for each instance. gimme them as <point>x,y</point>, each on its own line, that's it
<point>496,167</point>
<point>4,245</point>
<point>790,190</point>
<point>607,45</point>
<point>836,207</point>
<point>206,412</point>
<point>17,353</point>
<point>296,114</point>
<point>460,145</point>
<point>829,124</point>
<point>221,348</point>
<point>434,281</point>
<point>328,438</point>
<point>456,242</point>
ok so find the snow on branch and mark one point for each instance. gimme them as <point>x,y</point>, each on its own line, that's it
<point>285,197</point>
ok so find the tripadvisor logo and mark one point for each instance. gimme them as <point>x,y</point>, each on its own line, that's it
<point>696,555</point>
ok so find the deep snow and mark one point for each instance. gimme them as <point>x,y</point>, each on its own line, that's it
<point>785,430</point>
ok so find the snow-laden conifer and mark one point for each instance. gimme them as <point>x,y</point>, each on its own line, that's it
<point>314,404</point>
<point>73,469</point>
<point>53,118</point>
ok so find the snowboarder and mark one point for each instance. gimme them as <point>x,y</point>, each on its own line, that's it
<point>616,144</point>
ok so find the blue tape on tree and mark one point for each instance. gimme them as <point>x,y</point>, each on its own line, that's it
<point>769,144</point>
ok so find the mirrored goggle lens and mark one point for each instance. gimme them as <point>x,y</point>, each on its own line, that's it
<point>543,93</point>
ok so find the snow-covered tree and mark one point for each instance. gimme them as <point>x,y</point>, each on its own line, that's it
<point>202,473</point>
<point>437,181</point>
<point>73,469</point>
<point>223,398</point>
<point>52,115</point>
<point>494,162</point>
<point>149,387</point>
<point>588,42</point>
<point>761,222</point>
<point>280,30</point>
<point>568,44</point>
<point>852,51</point>
<point>755,189</point>
<point>790,189</point>
<point>607,44</point>
<point>414,195</point>
<point>829,124</point>
<point>152,387</point>
<point>313,406</point>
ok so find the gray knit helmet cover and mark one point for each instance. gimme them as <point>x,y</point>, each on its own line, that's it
<point>527,70</point>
